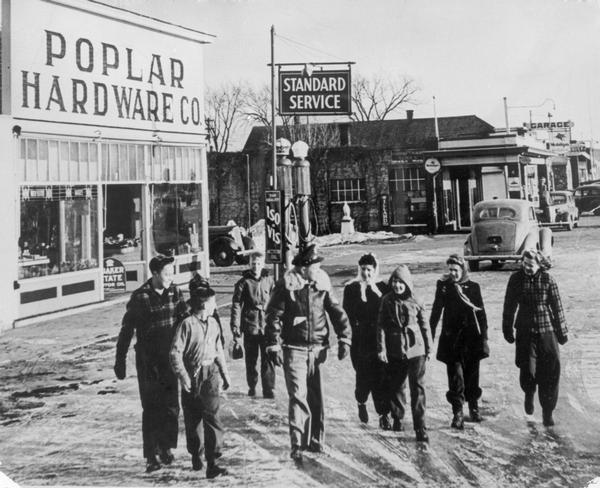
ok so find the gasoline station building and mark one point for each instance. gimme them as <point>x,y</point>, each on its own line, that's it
<point>104,152</point>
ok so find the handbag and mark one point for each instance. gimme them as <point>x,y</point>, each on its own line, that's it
<point>237,351</point>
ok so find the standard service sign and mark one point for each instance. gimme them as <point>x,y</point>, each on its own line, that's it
<point>321,93</point>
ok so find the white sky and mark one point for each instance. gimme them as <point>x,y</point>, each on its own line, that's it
<point>468,53</point>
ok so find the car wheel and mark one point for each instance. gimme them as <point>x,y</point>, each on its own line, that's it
<point>223,255</point>
<point>473,265</point>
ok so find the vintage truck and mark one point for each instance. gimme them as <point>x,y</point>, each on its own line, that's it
<point>228,244</point>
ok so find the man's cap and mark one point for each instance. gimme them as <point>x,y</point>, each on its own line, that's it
<point>201,295</point>
<point>197,282</point>
<point>158,262</point>
<point>307,257</point>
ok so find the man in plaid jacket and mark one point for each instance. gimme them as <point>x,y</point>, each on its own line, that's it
<point>153,312</point>
<point>540,326</point>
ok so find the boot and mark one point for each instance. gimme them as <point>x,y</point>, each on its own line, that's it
<point>363,415</point>
<point>152,464</point>
<point>529,403</point>
<point>213,471</point>
<point>197,463</point>
<point>397,425</point>
<point>296,454</point>
<point>547,418</point>
<point>251,392</point>
<point>269,394</point>
<point>474,412</point>
<point>421,435</point>
<point>457,420</point>
<point>384,422</point>
<point>166,456</point>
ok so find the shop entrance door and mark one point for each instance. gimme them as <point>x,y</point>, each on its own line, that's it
<point>462,185</point>
<point>123,232</point>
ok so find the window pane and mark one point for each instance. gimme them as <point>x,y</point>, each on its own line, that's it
<point>74,166</point>
<point>22,161</point>
<point>93,164</point>
<point>177,218</point>
<point>53,161</point>
<point>31,164</point>
<point>64,161</point>
<point>84,168</point>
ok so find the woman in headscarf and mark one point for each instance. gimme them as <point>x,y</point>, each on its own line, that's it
<point>463,340</point>
<point>404,342</point>
<point>361,303</point>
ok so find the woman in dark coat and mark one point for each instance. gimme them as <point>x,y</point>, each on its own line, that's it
<point>463,340</point>
<point>361,303</point>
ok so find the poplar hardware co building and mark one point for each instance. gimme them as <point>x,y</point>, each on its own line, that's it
<point>104,150</point>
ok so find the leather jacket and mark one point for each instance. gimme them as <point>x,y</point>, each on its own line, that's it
<point>250,298</point>
<point>297,314</point>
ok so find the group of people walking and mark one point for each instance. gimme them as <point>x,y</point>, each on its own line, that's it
<point>381,325</point>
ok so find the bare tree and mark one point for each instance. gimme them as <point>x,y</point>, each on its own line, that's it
<point>377,97</point>
<point>224,111</point>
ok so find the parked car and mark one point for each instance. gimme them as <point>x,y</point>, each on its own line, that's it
<point>562,211</point>
<point>587,198</point>
<point>229,244</point>
<point>502,230</point>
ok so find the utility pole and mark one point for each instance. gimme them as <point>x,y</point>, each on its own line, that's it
<point>273,128</point>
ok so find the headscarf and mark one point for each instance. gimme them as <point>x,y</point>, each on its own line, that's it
<point>460,261</point>
<point>368,259</point>
<point>542,260</point>
<point>402,273</point>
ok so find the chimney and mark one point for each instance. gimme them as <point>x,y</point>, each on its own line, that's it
<point>409,115</point>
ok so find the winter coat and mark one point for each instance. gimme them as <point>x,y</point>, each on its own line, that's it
<point>402,332</point>
<point>298,313</point>
<point>362,312</point>
<point>464,330</point>
<point>250,298</point>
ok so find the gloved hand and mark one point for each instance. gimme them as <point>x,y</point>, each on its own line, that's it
<point>226,382</point>
<point>486,348</point>
<point>382,356</point>
<point>343,350</point>
<point>509,337</point>
<point>237,335</point>
<point>275,357</point>
<point>562,339</point>
<point>186,383</point>
<point>120,369</point>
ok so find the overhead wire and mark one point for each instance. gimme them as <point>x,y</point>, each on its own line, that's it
<point>306,46</point>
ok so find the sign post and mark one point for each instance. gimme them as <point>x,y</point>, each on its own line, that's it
<point>274,239</point>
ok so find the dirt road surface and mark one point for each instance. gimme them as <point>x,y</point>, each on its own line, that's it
<point>65,420</point>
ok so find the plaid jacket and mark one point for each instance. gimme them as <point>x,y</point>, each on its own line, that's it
<point>538,301</point>
<point>153,318</point>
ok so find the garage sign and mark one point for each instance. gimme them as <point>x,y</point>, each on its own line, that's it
<point>321,93</point>
<point>274,251</point>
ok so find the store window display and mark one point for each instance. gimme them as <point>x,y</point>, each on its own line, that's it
<point>59,230</point>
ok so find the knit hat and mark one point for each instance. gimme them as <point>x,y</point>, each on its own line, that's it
<point>402,273</point>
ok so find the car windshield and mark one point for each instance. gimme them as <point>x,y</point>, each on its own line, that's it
<point>489,213</point>
<point>558,198</point>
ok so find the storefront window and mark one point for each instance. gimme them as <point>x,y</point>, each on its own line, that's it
<point>59,230</point>
<point>123,222</point>
<point>177,218</point>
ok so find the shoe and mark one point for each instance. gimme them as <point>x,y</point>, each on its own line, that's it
<point>152,464</point>
<point>197,463</point>
<point>213,471</point>
<point>475,415</point>
<point>363,415</point>
<point>458,421</point>
<point>315,446</point>
<point>397,425</point>
<point>529,403</point>
<point>547,419</point>
<point>421,435</point>
<point>384,422</point>
<point>296,454</point>
<point>166,456</point>
<point>251,392</point>
<point>270,394</point>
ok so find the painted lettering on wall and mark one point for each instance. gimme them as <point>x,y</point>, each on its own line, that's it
<point>151,87</point>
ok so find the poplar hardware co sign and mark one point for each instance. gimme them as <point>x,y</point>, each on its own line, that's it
<point>322,93</point>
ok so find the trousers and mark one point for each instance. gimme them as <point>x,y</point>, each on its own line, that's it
<point>541,368</point>
<point>253,345</point>
<point>371,378</point>
<point>302,370</point>
<point>158,387</point>
<point>399,371</point>
<point>203,428</point>
<point>463,382</point>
